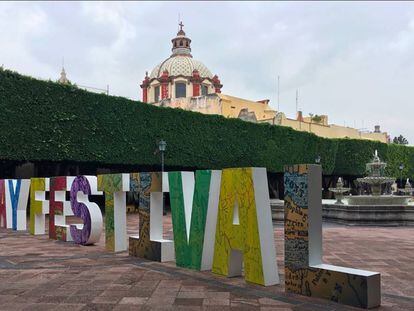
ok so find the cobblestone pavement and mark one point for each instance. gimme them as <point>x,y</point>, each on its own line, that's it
<point>40,274</point>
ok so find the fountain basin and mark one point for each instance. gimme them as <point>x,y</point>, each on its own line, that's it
<point>377,200</point>
<point>368,215</point>
<point>376,180</point>
<point>357,215</point>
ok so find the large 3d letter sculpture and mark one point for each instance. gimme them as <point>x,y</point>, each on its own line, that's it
<point>304,271</point>
<point>194,216</point>
<point>244,227</point>
<point>90,231</point>
<point>115,187</point>
<point>39,206</point>
<point>59,208</point>
<point>17,194</point>
<point>150,243</point>
<point>3,207</point>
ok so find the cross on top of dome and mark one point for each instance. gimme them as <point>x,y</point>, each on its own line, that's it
<point>181,31</point>
<point>181,43</point>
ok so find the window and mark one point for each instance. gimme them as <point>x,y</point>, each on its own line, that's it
<point>180,90</point>
<point>204,89</point>
<point>181,43</point>
<point>157,94</point>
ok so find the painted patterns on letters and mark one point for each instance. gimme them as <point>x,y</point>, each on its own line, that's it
<point>189,242</point>
<point>3,213</point>
<point>150,243</point>
<point>304,271</point>
<point>39,206</point>
<point>114,187</point>
<point>238,234</point>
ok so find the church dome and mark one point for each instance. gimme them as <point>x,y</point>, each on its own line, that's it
<point>180,75</point>
<point>181,65</point>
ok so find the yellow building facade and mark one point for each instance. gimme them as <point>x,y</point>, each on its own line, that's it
<point>182,82</point>
<point>324,129</point>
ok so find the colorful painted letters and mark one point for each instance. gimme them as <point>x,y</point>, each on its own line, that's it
<point>221,220</point>
<point>3,208</point>
<point>304,271</point>
<point>17,195</point>
<point>39,206</point>
<point>90,231</point>
<point>59,208</point>
<point>150,243</point>
<point>190,205</point>
<point>115,187</point>
<point>244,227</point>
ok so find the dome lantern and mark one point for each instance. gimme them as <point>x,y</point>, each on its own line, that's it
<point>181,43</point>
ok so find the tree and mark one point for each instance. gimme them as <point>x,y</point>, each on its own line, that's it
<point>317,118</point>
<point>400,140</point>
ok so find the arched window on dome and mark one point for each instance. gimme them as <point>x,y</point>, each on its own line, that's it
<point>180,90</point>
<point>175,44</point>
<point>157,94</point>
<point>186,43</point>
<point>204,89</point>
<point>181,43</point>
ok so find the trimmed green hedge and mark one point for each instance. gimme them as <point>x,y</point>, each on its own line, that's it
<point>48,121</point>
<point>353,154</point>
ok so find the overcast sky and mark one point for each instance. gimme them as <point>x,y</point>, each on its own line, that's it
<point>353,61</point>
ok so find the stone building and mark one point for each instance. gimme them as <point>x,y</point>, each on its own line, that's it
<point>183,82</point>
<point>180,81</point>
<point>319,125</point>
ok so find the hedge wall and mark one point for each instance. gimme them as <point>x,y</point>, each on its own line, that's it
<point>352,155</point>
<point>48,121</point>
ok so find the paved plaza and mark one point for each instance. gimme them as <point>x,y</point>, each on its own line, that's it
<point>41,274</point>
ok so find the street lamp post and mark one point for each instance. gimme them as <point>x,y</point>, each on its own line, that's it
<point>162,145</point>
<point>318,162</point>
<point>401,167</point>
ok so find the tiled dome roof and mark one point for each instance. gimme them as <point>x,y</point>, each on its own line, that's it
<point>181,65</point>
<point>181,62</point>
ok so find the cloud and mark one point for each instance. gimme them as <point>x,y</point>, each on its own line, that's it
<point>351,60</point>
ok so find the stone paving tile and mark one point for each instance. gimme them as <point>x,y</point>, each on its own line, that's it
<point>106,299</point>
<point>133,300</point>
<point>40,274</point>
<point>69,307</point>
<point>160,300</point>
<point>189,301</point>
<point>187,295</point>
<point>14,306</point>
<point>216,302</point>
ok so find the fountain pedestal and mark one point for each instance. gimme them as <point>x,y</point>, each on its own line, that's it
<point>278,209</point>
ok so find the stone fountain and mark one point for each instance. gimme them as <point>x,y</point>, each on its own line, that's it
<point>375,180</point>
<point>339,191</point>
<point>408,188</point>
<point>375,208</point>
